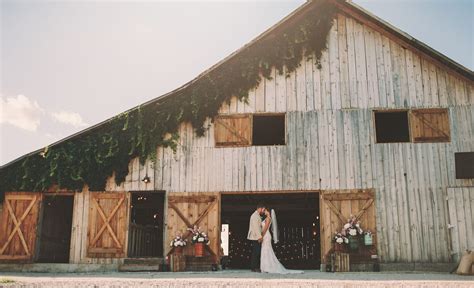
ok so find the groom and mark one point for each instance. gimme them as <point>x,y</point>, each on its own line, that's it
<point>255,236</point>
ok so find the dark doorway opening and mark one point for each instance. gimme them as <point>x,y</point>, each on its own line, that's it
<point>56,224</point>
<point>146,224</point>
<point>268,130</point>
<point>298,222</point>
<point>392,126</point>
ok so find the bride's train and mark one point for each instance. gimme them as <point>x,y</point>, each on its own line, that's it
<point>268,261</point>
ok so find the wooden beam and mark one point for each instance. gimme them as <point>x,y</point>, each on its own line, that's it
<point>176,209</point>
<point>269,192</point>
<point>364,208</point>
<point>191,199</point>
<point>337,212</point>
<point>349,196</point>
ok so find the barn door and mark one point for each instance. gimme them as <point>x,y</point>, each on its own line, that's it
<point>336,209</point>
<point>188,209</point>
<point>18,226</point>
<point>107,225</point>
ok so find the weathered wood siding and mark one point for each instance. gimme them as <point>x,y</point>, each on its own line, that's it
<point>331,141</point>
<point>461,219</point>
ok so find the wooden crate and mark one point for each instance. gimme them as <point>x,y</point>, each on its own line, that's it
<point>340,262</point>
<point>177,263</point>
<point>199,263</point>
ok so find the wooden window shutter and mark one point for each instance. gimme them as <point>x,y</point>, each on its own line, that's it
<point>430,125</point>
<point>233,130</point>
<point>107,225</point>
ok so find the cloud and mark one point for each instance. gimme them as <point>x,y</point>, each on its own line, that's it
<point>21,112</point>
<point>70,118</point>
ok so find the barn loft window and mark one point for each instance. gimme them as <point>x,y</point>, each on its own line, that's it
<point>391,126</point>
<point>268,130</point>
<point>430,125</point>
<point>233,130</point>
<point>247,130</point>
<point>464,165</point>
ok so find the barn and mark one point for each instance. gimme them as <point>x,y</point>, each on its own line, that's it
<point>330,113</point>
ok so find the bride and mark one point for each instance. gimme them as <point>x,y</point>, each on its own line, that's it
<point>268,261</point>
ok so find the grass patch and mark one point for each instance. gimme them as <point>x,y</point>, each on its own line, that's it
<point>6,281</point>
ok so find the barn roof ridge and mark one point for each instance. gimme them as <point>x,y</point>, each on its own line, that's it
<point>347,7</point>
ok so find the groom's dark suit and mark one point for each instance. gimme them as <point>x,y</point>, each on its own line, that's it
<point>255,233</point>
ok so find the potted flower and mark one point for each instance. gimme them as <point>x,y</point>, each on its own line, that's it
<point>199,240</point>
<point>339,242</point>
<point>353,231</point>
<point>368,238</point>
<point>178,243</point>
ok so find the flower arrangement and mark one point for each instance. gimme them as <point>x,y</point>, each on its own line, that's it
<point>368,239</point>
<point>178,241</point>
<point>340,239</point>
<point>352,227</point>
<point>199,236</point>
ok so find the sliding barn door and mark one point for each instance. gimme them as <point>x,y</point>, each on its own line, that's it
<point>188,209</point>
<point>107,225</point>
<point>336,209</point>
<point>18,225</point>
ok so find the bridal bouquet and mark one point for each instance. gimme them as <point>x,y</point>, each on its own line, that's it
<point>178,241</point>
<point>199,236</point>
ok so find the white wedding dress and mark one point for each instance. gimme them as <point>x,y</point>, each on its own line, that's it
<point>268,261</point>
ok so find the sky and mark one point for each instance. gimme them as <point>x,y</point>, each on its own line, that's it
<point>67,65</point>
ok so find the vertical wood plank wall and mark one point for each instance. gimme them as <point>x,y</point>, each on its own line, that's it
<point>331,141</point>
<point>461,219</point>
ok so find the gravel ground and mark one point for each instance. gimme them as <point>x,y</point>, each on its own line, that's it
<point>237,279</point>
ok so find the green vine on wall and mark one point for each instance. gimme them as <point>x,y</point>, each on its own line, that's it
<point>95,155</point>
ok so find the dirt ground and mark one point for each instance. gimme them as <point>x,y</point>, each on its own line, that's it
<point>235,279</point>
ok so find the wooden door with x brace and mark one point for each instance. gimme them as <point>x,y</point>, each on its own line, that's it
<point>188,209</point>
<point>18,222</point>
<point>336,207</point>
<point>108,222</point>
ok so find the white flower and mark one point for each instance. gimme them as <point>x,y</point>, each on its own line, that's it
<point>347,226</point>
<point>339,240</point>
<point>194,238</point>
<point>200,239</point>
<point>346,240</point>
<point>352,232</point>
